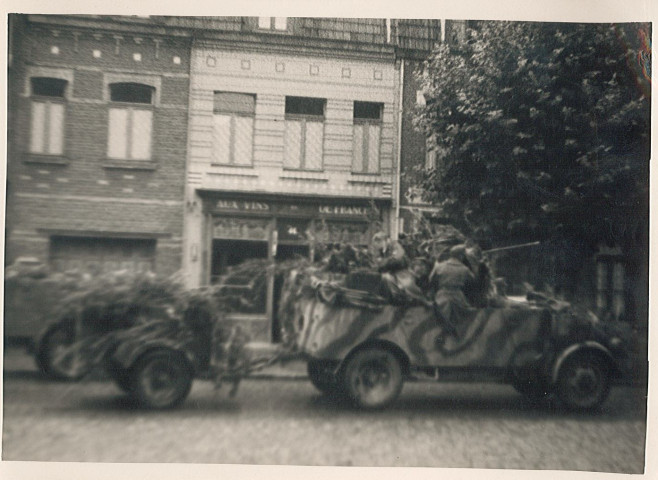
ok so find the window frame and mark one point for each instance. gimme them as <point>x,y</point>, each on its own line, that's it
<point>272,24</point>
<point>232,129</point>
<point>48,101</point>
<point>131,107</point>
<point>306,118</point>
<point>365,145</point>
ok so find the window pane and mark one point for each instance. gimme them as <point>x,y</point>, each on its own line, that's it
<point>373,148</point>
<point>305,106</point>
<point>56,127</point>
<point>280,23</point>
<point>313,160</point>
<point>38,125</point>
<point>229,102</point>
<point>141,134</point>
<point>118,124</point>
<point>292,157</point>
<point>131,92</point>
<point>357,160</point>
<point>244,127</point>
<point>264,22</point>
<point>48,87</point>
<point>221,136</point>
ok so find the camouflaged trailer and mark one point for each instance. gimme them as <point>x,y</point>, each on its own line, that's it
<point>365,349</point>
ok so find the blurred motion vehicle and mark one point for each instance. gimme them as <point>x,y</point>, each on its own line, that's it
<point>359,347</point>
<point>154,338</point>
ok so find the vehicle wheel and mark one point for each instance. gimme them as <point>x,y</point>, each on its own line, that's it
<point>372,378</point>
<point>49,353</point>
<point>583,382</point>
<point>321,374</point>
<point>161,379</point>
<point>527,375</point>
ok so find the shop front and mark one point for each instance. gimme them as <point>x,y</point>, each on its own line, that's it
<point>275,229</point>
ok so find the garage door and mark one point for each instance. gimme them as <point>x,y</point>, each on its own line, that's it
<point>98,255</point>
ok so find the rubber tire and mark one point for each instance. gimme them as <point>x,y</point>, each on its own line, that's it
<point>372,378</point>
<point>175,372</point>
<point>591,390</point>
<point>320,372</point>
<point>57,334</point>
<point>527,373</point>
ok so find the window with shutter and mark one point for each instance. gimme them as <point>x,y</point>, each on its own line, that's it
<point>366,137</point>
<point>47,115</point>
<point>233,128</point>
<point>130,121</point>
<point>304,133</point>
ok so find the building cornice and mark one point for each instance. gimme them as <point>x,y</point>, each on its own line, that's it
<point>116,25</point>
<point>296,45</point>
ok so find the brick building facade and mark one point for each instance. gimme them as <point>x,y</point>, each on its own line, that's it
<point>97,142</point>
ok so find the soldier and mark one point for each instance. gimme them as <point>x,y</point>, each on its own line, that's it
<point>452,278</point>
<point>400,283</point>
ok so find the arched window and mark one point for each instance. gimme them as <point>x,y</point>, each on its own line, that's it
<point>47,115</point>
<point>130,121</point>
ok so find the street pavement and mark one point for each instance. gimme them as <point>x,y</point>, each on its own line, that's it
<point>279,419</point>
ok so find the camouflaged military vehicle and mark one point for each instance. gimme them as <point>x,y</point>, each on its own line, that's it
<point>365,349</point>
<point>362,348</point>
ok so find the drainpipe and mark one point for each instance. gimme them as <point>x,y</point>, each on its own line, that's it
<point>396,193</point>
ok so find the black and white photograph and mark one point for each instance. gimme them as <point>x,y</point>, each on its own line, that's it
<point>353,238</point>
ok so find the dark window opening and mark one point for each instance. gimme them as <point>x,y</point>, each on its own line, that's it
<point>48,87</point>
<point>248,292</point>
<point>305,106</point>
<point>131,93</point>
<point>368,110</point>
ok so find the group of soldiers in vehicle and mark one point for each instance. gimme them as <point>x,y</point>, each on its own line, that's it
<point>453,282</point>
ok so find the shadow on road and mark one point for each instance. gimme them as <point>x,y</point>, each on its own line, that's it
<point>624,404</point>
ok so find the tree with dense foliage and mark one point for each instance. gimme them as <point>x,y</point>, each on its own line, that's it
<point>542,131</point>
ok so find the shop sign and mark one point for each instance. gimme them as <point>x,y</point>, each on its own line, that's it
<point>242,205</point>
<point>343,210</point>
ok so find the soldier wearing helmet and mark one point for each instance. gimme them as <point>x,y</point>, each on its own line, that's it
<point>451,278</point>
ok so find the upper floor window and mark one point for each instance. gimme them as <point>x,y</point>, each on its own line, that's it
<point>273,23</point>
<point>233,128</point>
<point>130,121</point>
<point>304,135</point>
<point>47,115</point>
<point>367,136</point>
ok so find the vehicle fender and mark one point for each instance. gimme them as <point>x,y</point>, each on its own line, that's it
<point>127,353</point>
<point>575,348</point>
<point>392,347</point>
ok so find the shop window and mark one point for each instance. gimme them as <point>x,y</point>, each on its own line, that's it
<point>47,115</point>
<point>248,289</point>
<point>273,23</point>
<point>304,133</point>
<point>233,128</point>
<point>367,136</point>
<point>101,255</point>
<point>130,121</point>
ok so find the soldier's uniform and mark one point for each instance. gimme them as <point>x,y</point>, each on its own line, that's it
<point>451,278</point>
